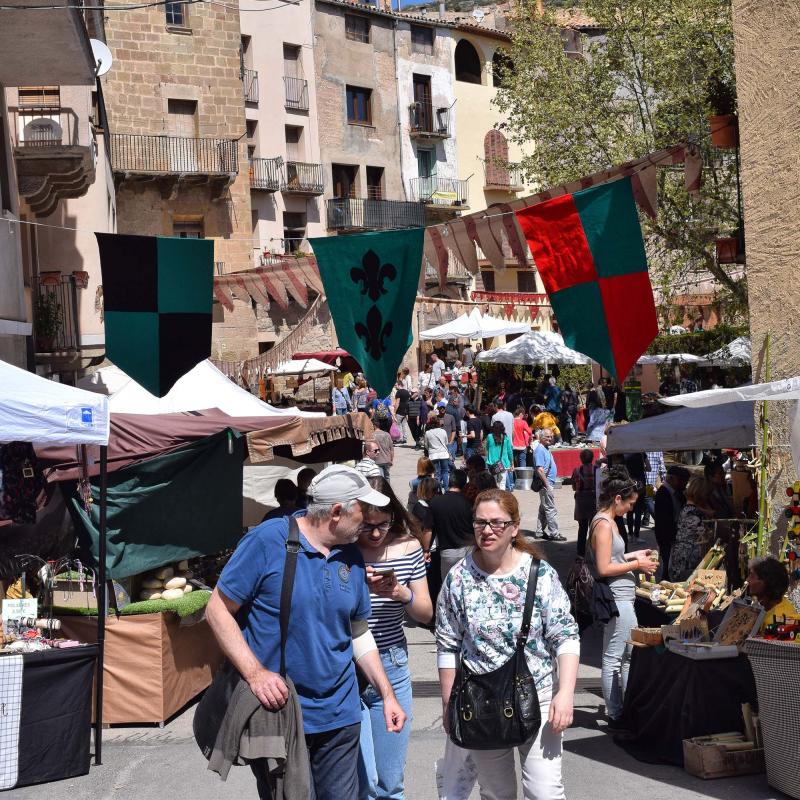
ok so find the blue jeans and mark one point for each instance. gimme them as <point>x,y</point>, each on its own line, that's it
<point>616,660</point>
<point>509,480</point>
<point>441,469</point>
<point>452,448</point>
<point>521,458</point>
<point>333,756</point>
<point>382,760</point>
<point>469,451</point>
<point>340,412</point>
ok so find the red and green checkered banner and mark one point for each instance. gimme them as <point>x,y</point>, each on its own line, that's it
<point>588,248</point>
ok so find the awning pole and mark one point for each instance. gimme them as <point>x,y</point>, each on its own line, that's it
<point>101,609</point>
<point>762,544</point>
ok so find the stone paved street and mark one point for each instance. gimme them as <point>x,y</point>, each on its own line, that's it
<point>153,763</point>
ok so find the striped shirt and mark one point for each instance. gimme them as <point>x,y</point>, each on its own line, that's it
<point>386,621</point>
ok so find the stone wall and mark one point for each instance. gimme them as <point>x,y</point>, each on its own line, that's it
<point>767,65</point>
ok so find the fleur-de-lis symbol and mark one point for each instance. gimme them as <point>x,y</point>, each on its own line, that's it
<point>373,274</point>
<point>374,333</point>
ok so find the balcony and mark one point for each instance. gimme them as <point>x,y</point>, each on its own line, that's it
<point>456,273</point>
<point>502,177</point>
<point>174,160</point>
<point>55,314</point>
<point>356,214</point>
<point>250,85</point>
<point>300,178</point>
<point>296,94</point>
<point>54,155</point>
<point>441,193</point>
<point>427,123</point>
<point>265,174</point>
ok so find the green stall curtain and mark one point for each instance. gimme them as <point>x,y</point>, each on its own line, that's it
<point>179,505</point>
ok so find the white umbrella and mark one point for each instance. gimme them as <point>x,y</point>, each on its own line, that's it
<point>535,347</point>
<point>686,358</point>
<point>305,366</point>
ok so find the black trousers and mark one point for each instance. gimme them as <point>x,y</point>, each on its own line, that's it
<point>583,531</point>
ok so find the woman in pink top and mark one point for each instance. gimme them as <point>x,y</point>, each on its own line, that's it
<point>521,438</point>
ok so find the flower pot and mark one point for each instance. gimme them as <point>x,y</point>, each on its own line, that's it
<point>727,249</point>
<point>724,131</point>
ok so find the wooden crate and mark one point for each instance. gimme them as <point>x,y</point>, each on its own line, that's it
<point>715,761</point>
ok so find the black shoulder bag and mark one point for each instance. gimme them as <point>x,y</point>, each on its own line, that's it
<point>500,708</point>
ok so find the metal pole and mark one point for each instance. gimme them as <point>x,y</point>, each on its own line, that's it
<point>101,608</point>
<point>763,529</point>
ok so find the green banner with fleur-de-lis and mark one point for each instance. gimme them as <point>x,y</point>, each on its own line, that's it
<point>371,282</point>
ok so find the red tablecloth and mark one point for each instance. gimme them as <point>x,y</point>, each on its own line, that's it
<point>568,458</point>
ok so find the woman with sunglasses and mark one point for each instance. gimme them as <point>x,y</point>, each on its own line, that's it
<point>389,541</point>
<point>478,620</point>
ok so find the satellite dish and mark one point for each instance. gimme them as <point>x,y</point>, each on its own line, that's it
<point>102,57</point>
<point>478,14</point>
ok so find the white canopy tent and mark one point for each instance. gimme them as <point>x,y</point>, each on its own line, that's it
<point>308,367</point>
<point>535,347</point>
<point>729,425</point>
<point>474,326</point>
<point>685,358</point>
<point>34,409</point>
<point>204,386</point>
<point>734,354</point>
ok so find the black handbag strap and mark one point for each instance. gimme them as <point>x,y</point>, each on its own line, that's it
<point>289,568</point>
<point>530,594</point>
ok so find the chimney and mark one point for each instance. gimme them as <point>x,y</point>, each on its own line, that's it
<point>441,9</point>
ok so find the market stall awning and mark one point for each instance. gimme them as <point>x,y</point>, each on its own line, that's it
<point>34,409</point>
<point>474,326</point>
<point>340,358</point>
<point>307,367</point>
<point>734,354</point>
<point>730,425</point>
<point>661,358</point>
<point>137,437</point>
<point>536,347</point>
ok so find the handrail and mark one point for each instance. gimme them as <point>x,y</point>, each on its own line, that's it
<point>160,153</point>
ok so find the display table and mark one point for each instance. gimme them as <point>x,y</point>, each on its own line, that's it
<point>569,458</point>
<point>54,729</point>
<point>153,665</point>
<point>670,698</point>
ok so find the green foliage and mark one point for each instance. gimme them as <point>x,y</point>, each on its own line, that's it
<point>576,376</point>
<point>649,82</point>
<point>699,344</point>
<point>49,315</point>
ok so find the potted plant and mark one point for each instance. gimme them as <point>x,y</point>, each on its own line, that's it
<point>49,318</point>
<point>730,249</point>
<point>723,122</point>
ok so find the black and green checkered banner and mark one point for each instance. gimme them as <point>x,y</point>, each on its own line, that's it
<point>157,296</point>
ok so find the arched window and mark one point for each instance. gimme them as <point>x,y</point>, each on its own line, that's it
<point>501,65</point>
<point>468,63</point>
<point>495,153</point>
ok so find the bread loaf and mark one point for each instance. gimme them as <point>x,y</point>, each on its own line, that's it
<point>175,583</point>
<point>172,594</point>
<point>188,588</point>
<point>164,574</point>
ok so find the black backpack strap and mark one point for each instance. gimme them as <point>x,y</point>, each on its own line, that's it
<point>289,568</point>
<point>530,594</point>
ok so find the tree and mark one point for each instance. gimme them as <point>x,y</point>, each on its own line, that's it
<point>647,81</point>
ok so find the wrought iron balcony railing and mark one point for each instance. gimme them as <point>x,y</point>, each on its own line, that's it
<point>302,178</point>
<point>504,177</point>
<point>425,122</point>
<point>250,85</point>
<point>451,192</point>
<point>133,152</point>
<point>359,214</point>
<point>296,93</point>
<point>55,313</point>
<point>265,174</point>
<point>45,127</point>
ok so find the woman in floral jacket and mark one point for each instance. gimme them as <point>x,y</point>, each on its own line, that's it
<point>691,538</point>
<point>478,619</point>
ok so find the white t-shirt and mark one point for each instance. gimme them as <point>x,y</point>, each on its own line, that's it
<point>507,418</point>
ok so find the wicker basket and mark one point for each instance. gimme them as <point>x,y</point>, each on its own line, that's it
<point>776,667</point>
<point>649,636</point>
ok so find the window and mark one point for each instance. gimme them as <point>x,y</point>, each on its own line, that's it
<point>250,127</point>
<point>356,28</point>
<point>188,229</point>
<point>182,117</point>
<point>468,63</point>
<point>426,163</point>
<point>375,183</point>
<point>294,230</point>
<point>39,97</point>
<point>359,106</point>
<point>422,40</point>
<point>292,65</point>
<point>5,177</point>
<point>294,142</point>
<point>488,280</point>
<point>344,180</point>
<point>176,15</point>
<point>526,281</point>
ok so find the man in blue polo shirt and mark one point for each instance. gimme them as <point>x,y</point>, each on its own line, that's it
<point>545,466</point>
<point>327,626</point>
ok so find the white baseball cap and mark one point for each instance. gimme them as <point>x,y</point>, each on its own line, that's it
<point>340,484</point>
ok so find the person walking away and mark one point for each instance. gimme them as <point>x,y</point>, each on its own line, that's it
<point>467,356</point>
<point>341,401</point>
<point>360,395</point>
<point>385,457</point>
<point>521,438</point>
<point>637,466</point>
<point>304,478</point>
<point>426,490</point>
<point>327,627</point>
<point>436,449</point>
<point>491,584</point>
<point>499,454</point>
<point>669,501</point>
<point>691,538</point>
<point>567,421</point>
<point>552,397</point>
<point>368,467</point>
<point>608,561</point>
<point>389,543</point>
<point>425,469</point>
<point>414,426</point>
<point>545,466</point>
<point>451,515</point>
<point>506,417</point>
<point>585,501</point>
<point>286,495</point>
<point>401,411</point>
<point>437,367</point>
<point>449,426</point>
<point>656,472</point>
<point>474,443</point>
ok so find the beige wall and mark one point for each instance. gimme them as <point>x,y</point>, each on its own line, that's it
<point>767,66</point>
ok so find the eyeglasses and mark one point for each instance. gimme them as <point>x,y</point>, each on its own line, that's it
<point>367,527</point>
<point>497,525</point>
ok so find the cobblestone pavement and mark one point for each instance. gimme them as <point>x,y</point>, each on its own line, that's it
<point>157,763</point>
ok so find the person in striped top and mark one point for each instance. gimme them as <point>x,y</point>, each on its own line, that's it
<point>395,565</point>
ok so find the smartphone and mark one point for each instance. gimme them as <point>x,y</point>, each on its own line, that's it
<point>384,573</point>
